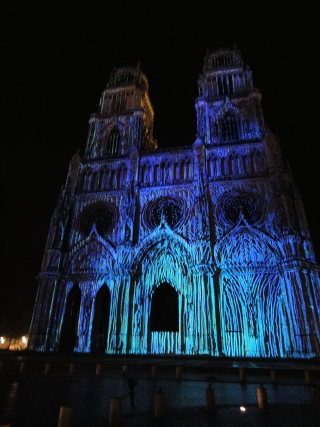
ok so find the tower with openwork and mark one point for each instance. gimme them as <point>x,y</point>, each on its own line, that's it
<point>201,249</point>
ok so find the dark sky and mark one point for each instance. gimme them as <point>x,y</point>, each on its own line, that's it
<point>56,62</point>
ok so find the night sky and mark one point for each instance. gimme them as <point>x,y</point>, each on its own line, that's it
<point>56,62</point>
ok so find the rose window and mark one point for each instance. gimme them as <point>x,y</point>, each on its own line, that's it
<point>101,216</point>
<point>168,210</point>
<point>240,205</point>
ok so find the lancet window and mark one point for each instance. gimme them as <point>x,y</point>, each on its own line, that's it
<point>87,179</point>
<point>146,173</point>
<point>229,128</point>
<point>103,178</point>
<point>185,169</point>
<point>114,143</point>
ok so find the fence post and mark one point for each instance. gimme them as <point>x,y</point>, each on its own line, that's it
<point>210,399</point>
<point>65,416</point>
<point>273,373</point>
<point>262,397</point>
<point>115,412</point>
<point>308,377</point>
<point>242,373</point>
<point>178,372</point>
<point>154,371</point>
<point>160,401</point>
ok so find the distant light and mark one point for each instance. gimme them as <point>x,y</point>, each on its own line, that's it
<point>2,340</point>
<point>24,340</point>
<point>242,409</point>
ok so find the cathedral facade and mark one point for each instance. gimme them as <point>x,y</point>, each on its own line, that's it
<point>201,249</point>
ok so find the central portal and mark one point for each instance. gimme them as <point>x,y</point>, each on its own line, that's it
<point>165,309</point>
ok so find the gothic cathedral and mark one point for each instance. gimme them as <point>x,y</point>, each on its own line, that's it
<point>195,250</point>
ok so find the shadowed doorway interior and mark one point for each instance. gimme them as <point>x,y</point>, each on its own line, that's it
<point>69,330</point>
<point>165,309</point>
<point>100,324</point>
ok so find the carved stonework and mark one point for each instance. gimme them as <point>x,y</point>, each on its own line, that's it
<point>218,227</point>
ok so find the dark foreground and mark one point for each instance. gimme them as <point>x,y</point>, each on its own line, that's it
<point>32,398</point>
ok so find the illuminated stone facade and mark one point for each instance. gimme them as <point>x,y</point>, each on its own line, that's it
<point>202,249</point>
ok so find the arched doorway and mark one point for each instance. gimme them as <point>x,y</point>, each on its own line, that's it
<point>100,324</point>
<point>165,309</point>
<point>69,330</point>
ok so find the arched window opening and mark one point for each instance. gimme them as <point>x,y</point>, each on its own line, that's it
<point>114,143</point>
<point>167,172</point>
<point>175,171</point>
<point>112,179</point>
<point>163,167</point>
<point>225,84</point>
<point>229,130</point>
<point>85,180</point>
<point>89,180</point>
<point>165,309</point>
<point>100,324</point>
<point>156,173</point>
<point>230,84</point>
<point>95,180</point>
<point>103,179</point>
<point>220,87</point>
<point>69,330</point>
<point>187,169</point>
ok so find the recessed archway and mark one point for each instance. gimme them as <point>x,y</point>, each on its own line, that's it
<point>69,329</point>
<point>165,309</point>
<point>100,324</point>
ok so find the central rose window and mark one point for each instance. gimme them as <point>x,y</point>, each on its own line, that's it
<point>166,209</point>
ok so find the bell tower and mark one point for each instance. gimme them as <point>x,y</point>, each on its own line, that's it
<point>229,106</point>
<point>125,118</point>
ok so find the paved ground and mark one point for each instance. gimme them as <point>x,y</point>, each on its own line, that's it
<point>33,399</point>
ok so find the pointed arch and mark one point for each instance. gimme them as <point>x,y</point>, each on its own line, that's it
<point>245,246</point>
<point>165,309</point>
<point>228,124</point>
<point>86,179</point>
<point>166,238</point>
<point>103,178</point>
<point>100,323</point>
<point>94,255</point>
<point>69,329</point>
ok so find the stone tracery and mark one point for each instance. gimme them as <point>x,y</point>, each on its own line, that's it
<point>220,222</point>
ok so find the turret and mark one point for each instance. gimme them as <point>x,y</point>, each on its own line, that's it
<point>228,106</point>
<point>125,118</point>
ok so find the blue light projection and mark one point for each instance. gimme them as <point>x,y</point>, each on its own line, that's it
<point>220,221</point>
